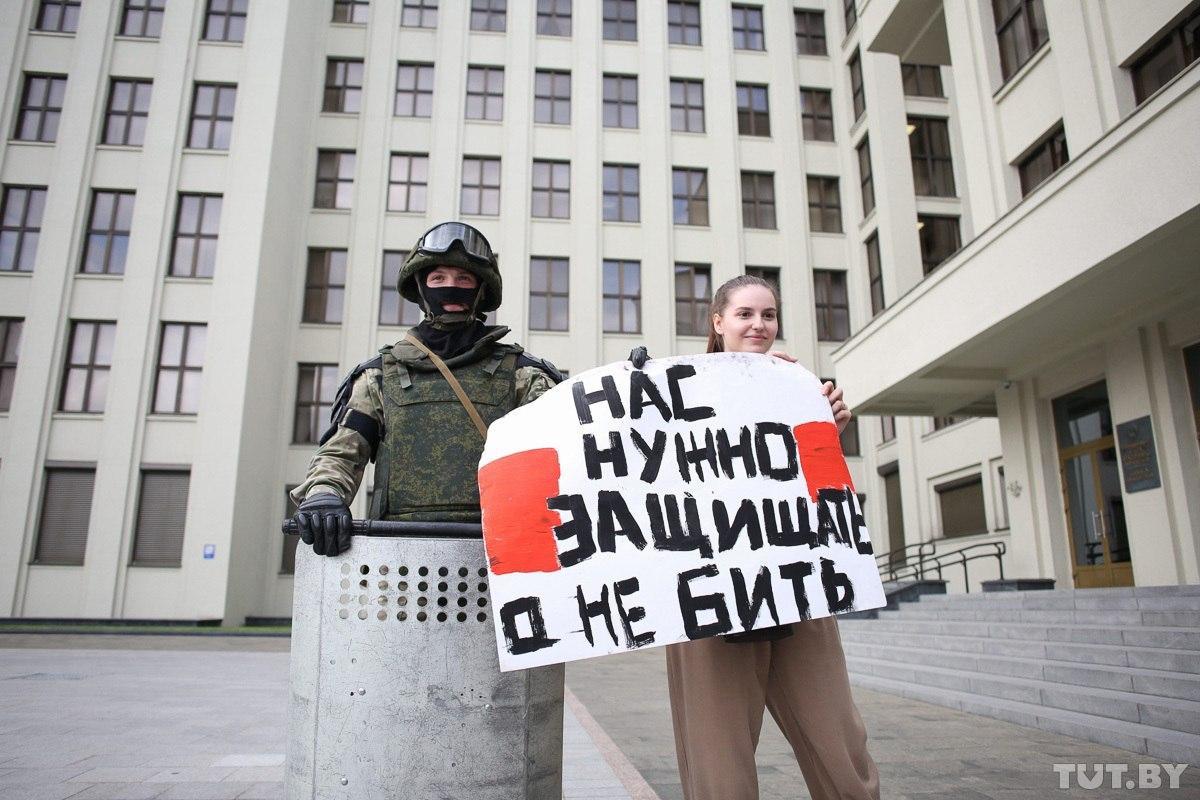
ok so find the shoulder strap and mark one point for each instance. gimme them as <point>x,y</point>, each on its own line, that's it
<point>453,381</point>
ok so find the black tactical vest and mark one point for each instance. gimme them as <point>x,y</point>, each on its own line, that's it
<point>426,467</point>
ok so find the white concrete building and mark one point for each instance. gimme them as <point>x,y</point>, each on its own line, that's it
<point>1070,313</point>
<point>202,201</point>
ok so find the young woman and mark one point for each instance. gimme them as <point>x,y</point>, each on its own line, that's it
<point>720,686</point>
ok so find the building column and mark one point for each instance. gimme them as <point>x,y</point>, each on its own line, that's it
<point>1025,557</point>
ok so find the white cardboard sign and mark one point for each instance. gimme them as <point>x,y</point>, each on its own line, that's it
<point>697,496</point>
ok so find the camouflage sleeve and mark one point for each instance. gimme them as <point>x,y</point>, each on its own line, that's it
<point>355,432</point>
<point>532,383</point>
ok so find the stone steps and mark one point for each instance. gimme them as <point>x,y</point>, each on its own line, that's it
<point>1118,666</point>
<point>1177,685</point>
<point>1150,740</point>
<point>1151,658</point>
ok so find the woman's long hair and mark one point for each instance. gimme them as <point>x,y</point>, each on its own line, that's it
<point>720,302</point>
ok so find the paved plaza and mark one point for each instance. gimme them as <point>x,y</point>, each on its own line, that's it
<point>203,717</point>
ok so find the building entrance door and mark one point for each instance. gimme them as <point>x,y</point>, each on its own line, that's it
<point>1091,485</point>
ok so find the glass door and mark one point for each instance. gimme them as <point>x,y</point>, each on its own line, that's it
<point>1091,485</point>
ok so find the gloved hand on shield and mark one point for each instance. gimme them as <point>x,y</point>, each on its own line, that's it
<point>325,523</point>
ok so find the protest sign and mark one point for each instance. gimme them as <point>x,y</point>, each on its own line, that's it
<point>697,496</point>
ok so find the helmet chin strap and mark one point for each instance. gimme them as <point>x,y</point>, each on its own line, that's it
<point>449,320</point>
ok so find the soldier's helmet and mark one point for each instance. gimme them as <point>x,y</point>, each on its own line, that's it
<point>457,244</point>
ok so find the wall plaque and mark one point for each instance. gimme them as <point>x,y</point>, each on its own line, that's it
<point>1139,463</point>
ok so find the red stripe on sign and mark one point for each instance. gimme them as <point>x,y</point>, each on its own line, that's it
<point>518,528</point>
<point>821,457</point>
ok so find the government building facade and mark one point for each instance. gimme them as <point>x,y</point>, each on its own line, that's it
<point>982,216</point>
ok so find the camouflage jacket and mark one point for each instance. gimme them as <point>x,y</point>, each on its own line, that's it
<point>357,425</point>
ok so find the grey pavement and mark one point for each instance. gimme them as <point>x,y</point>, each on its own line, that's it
<point>126,717</point>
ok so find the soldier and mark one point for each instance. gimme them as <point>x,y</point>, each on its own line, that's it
<point>420,408</point>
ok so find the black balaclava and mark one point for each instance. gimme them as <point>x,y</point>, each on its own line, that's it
<point>448,333</point>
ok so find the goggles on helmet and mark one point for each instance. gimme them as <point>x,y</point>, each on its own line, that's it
<point>440,238</point>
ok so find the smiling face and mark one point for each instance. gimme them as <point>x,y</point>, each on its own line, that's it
<point>749,322</point>
<point>445,276</point>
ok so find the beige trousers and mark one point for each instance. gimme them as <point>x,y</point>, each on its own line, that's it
<point>718,692</point>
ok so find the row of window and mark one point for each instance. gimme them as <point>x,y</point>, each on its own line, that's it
<point>62,529</point>
<point>210,121</point>
<point>224,20</point>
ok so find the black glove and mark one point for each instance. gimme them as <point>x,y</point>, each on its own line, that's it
<point>639,356</point>
<point>324,522</point>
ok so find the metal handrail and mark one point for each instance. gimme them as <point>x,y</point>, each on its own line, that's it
<point>888,560</point>
<point>954,557</point>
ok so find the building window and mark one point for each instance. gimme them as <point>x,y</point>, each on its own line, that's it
<point>41,108</point>
<point>748,28</point>
<point>922,80</point>
<point>849,439</point>
<point>857,93</point>
<point>961,504</point>
<point>142,18</point>
<point>343,85</point>
<point>162,510</point>
<point>394,309</point>
<point>89,358</point>
<point>61,16</point>
<point>488,15</point>
<point>620,101</point>
<point>771,276</point>
<point>941,423</point>
<point>180,361</point>
<point>939,239</point>
<point>622,296</point>
<point>1020,32</point>
<point>212,116</point>
<point>63,523</point>
<point>419,14</point>
<point>20,226</point>
<point>758,199</point>
<point>929,144</point>
<point>354,11</point>
<point>485,93</point>
<point>875,274</point>
<point>753,116</point>
<point>687,105</point>
<point>225,20</point>
<point>335,179</point>
<point>620,20</point>
<point>315,390</point>
<point>865,177</point>
<point>414,90</point>
<point>551,189</point>
<point>125,117</point>
<point>10,346</point>
<point>833,305</point>
<point>810,33</point>
<point>1167,57</point>
<point>552,96</point>
<point>480,186</point>
<point>693,294</point>
<point>107,239</point>
<point>850,12</point>
<point>325,286</point>
<point>887,429</point>
<point>621,200</point>
<point>824,205</point>
<point>197,219</point>
<point>689,196</point>
<point>554,17</point>
<point>683,21</point>
<point>1191,367</point>
<point>816,115</point>
<point>549,286</point>
<point>407,182</point>
<point>1043,160</point>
